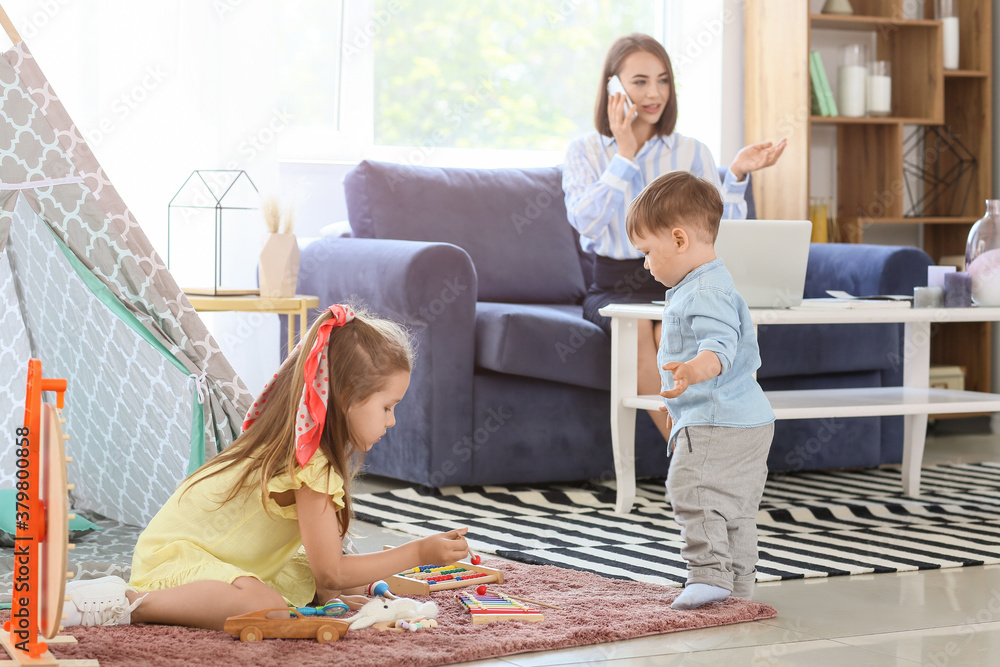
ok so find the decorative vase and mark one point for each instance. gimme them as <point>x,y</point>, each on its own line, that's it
<point>982,256</point>
<point>837,7</point>
<point>279,266</point>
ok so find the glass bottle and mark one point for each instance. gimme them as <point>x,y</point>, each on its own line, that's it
<point>982,256</point>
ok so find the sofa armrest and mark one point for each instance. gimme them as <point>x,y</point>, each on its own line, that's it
<point>865,270</point>
<point>431,289</point>
<point>401,280</point>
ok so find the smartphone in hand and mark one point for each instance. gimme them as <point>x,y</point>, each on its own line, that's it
<point>615,86</point>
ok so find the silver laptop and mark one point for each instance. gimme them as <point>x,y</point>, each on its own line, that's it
<point>767,259</point>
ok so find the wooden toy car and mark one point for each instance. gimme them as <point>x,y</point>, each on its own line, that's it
<point>256,626</point>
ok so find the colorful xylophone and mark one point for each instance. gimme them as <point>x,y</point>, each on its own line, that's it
<point>426,579</point>
<point>494,606</point>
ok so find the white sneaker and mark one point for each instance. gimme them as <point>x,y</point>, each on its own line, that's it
<point>98,602</point>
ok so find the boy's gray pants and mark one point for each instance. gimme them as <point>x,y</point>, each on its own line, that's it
<point>715,482</point>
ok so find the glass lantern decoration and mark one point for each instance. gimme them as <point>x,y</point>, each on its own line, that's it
<point>982,256</point>
<point>213,233</point>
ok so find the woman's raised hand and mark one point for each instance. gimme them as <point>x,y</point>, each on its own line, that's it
<point>444,548</point>
<point>621,126</point>
<point>756,156</point>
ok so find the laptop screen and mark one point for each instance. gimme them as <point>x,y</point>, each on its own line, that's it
<point>767,259</point>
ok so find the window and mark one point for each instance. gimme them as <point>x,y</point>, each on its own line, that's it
<point>308,60</point>
<point>486,83</point>
<point>501,74</point>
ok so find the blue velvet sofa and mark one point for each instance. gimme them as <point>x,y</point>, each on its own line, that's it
<point>511,384</point>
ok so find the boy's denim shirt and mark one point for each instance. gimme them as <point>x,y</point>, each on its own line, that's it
<point>705,312</point>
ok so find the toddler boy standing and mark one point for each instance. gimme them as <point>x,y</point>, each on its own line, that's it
<point>719,419</point>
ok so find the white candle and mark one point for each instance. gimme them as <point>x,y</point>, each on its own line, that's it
<point>935,275</point>
<point>879,95</point>
<point>950,42</point>
<point>851,90</point>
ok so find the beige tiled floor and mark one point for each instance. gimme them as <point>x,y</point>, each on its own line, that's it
<point>940,618</point>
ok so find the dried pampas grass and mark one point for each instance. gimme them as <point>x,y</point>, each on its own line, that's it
<point>272,214</point>
<point>276,221</point>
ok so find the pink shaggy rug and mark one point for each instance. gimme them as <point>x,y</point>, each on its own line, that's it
<point>594,610</point>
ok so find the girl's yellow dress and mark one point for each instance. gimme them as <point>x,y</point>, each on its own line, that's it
<point>194,538</point>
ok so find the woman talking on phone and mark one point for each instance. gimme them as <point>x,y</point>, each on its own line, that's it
<point>605,170</point>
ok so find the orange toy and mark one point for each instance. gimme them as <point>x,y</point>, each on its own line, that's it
<point>42,535</point>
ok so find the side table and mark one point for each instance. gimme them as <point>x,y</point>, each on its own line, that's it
<point>914,399</point>
<point>291,306</point>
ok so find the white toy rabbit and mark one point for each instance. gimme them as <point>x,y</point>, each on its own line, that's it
<point>380,609</point>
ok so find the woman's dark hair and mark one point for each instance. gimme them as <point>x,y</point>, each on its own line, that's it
<point>619,51</point>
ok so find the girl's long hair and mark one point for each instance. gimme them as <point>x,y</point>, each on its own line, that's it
<point>619,51</point>
<point>363,354</point>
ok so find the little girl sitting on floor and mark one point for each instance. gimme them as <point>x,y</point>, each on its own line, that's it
<point>228,540</point>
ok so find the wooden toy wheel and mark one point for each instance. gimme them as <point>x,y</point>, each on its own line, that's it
<point>52,550</point>
<point>251,633</point>
<point>327,633</point>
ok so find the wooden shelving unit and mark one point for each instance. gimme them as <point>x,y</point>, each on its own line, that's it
<point>869,171</point>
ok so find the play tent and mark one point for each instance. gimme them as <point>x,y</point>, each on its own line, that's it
<point>150,395</point>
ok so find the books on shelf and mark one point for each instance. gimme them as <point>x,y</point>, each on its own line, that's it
<point>815,103</point>
<point>820,86</point>
<point>816,97</point>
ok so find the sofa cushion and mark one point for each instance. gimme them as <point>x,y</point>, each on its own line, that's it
<point>512,222</point>
<point>546,342</point>
<point>817,349</point>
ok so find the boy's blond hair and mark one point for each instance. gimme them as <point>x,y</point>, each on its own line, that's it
<point>676,199</point>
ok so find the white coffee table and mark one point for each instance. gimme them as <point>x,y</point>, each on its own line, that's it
<point>914,399</point>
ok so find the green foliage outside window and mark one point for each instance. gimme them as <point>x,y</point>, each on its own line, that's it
<point>512,74</point>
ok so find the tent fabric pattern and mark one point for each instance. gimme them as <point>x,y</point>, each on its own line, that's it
<point>152,398</point>
<point>129,418</point>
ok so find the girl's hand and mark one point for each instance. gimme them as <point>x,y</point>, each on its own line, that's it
<point>621,127</point>
<point>443,548</point>
<point>756,156</point>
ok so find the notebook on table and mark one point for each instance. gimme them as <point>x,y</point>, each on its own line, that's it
<point>767,259</point>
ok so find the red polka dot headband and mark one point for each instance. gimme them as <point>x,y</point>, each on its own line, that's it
<point>312,406</point>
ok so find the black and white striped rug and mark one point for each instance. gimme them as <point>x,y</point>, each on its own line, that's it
<point>818,524</point>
